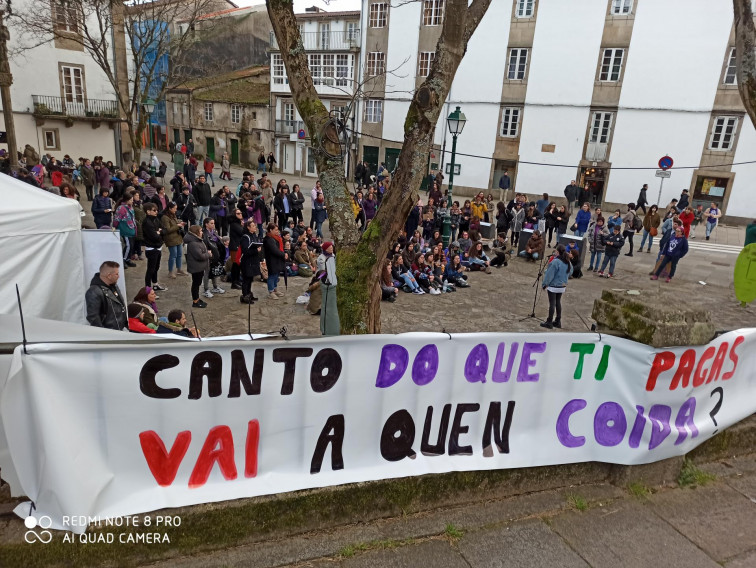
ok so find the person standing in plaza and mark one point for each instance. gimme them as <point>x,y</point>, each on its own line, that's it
<point>642,200</point>
<point>249,264</point>
<point>571,194</point>
<point>596,235</point>
<point>271,162</point>
<point>505,183</point>
<point>225,167</point>
<point>275,259</point>
<point>613,244</point>
<point>651,222</point>
<point>297,200</point>
<point>197,261</point>
<point>712,215</point>
<point>153,243</point>
<point>555,284</point>
<point>698,217</point>
<point>684,200</point>
<point>204,196</point>
<point>87,174</point>
<point>629,226</point>
<point>261,161</point>
<point>675,248</point>
<point>173,238</point>
<point>208,166</point>
<point>582,219</point>
<point>329,311</point>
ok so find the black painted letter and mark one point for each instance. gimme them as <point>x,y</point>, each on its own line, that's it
<point>327,360</point>
<point>206,364</point>
<point>332,433</point>
<point>151,368</point>
<point>493,420</point>
<point>439,448</point>
<point>288,356</point>
<point>398,436</point>
<point>457,429</point>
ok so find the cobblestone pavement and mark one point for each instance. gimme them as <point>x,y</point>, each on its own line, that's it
<point>500,301</point>
<point>585,526</point>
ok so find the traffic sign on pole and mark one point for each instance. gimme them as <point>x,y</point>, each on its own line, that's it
<point>666,162</point>
<point>663,174</point>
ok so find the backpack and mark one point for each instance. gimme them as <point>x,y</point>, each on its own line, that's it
<point>637,223</point>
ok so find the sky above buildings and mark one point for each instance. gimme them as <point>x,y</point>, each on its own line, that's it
<point>300,5</point>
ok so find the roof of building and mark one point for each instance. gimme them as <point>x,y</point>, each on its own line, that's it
<point>242,91</point>
<point>238,11</point>
<point>213,80</point>
<point>233,87</point>
<point>323,15</point>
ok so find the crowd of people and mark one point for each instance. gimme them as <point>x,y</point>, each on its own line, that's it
<point>254,229</point>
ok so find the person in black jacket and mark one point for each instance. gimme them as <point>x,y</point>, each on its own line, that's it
<point>235,233</point>
<point>153,243</point>
<point>176,325</point>
<point>366,175</point>
<point>297,200</point>
<point>204,195</point>
<point>359,173</point>
<point>177,183</point>
<point>105,304</point>
<point>282,205</point>
<point>251,255</point>
<point>275,259</point>
<point>185,206</point>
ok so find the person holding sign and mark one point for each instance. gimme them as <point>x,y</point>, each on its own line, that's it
<point>329,312</point>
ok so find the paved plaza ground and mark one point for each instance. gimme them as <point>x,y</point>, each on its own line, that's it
<point>500,301</point>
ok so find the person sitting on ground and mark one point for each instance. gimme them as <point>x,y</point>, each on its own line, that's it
<point>465,242</point>
<point>146,298</point>
<point>389,291</point>
<point>577,272</point>
<point>455,272</point>
<point>535,247</point>
<point>478,259</point>
<point>400,273</point>
<point>423,273</point>
<point>500,250</point>
<point>136,320</point>
<point>316,296</point>
<point>176,324</point>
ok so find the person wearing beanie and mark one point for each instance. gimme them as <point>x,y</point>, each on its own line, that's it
<point>136,325</point>
<point>329,312</point>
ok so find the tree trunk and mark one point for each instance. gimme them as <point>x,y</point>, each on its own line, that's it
<point>360,258</point>
<point>745,56</point>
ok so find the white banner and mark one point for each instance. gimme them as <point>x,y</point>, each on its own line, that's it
<point>105,431</point>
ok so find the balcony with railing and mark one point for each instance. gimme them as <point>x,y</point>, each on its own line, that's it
<point>326,41</point>
<point>290,126</point>
<point>87,108</point>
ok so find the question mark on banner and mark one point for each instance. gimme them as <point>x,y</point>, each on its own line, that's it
<point>717,406</point>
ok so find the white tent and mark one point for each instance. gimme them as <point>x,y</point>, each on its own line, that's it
<point>40,236</point>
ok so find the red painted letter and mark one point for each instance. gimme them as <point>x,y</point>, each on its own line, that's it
<point>163,464</point>
<point>716,366</point>
<point>733,357</point>
<point>662,362</point>
<point>700,376</point>
<point>219,437</point>
<point>253,438</point>
<point>684,369</point>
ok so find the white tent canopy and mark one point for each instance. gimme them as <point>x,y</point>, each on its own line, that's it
<point>40,236</point>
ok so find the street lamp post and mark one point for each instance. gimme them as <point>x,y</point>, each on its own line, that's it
<point>456,122</point>
<point>149,106</point>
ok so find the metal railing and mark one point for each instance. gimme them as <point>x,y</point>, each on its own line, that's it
<point>58,106</point>
<point>289,126</point>
<point>326,41</point>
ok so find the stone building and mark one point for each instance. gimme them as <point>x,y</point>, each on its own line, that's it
<point>332,42</point>
<point>62,101</point>
<point>223,113</point>
<point>595,91</point>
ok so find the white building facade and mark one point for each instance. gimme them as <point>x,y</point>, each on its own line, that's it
<point>332,43</point>
<point>590,90</point>
<point>62,101</point>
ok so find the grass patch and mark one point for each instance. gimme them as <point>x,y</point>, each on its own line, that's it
<point>577,502</point>
<point>453,532</point>
<point>692,476</point>
<point>353,549</point>
<point>639,490</point>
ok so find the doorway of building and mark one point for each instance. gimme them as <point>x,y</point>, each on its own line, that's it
<point>187,135</point>
<point>392,158</point>
<point>596,179</point>
<point>501,166</point>
<point>176,136</point>
<point>210,145</point>
<point>370,155</point>
<point>289,157</point>
<point>234,151</point>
